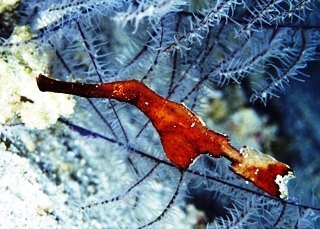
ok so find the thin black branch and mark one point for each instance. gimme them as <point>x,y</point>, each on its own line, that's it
<point>190,171</point>
<point>121,196</point>
<point>173,198</point>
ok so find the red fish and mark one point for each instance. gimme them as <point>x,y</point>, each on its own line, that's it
<point>183,135</point>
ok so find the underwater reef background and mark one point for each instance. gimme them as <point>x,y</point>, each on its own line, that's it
<point>247,68</point>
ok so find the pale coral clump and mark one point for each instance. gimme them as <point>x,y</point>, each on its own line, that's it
<point>46,109</point>
<point>20,97</point>
<point>7,4</point>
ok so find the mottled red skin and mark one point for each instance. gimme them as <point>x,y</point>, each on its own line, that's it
<point>183,136</point>
<point>266,177</point>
